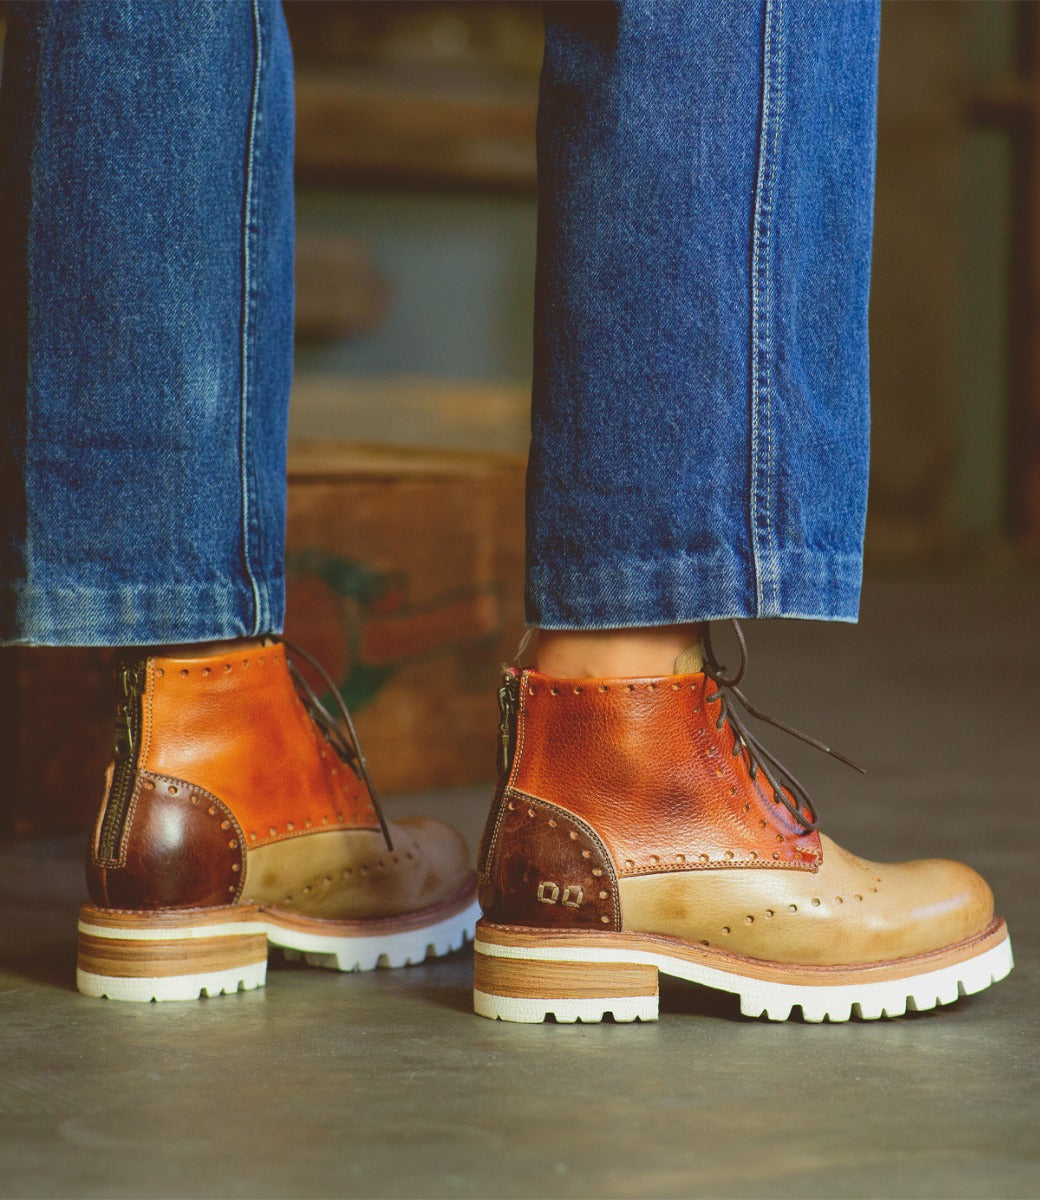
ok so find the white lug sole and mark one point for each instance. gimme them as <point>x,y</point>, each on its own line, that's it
<point>186,954</point>
<point>527,976</point>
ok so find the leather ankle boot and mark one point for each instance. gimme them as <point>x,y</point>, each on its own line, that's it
<point>236,816</point>
<point>639,827</point>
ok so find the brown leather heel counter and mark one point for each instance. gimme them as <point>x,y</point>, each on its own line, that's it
<point>181,848</point>
<point>487,838</point>
<point>543,867</point>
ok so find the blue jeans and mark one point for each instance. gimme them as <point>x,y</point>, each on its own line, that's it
<point>700,414</point>
<point>145,363</point>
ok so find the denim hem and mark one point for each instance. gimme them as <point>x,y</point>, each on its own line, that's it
<point>813,585</point>
<point>136,614</point>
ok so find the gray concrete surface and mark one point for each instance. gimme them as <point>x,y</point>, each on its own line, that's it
<point>385,1085</point>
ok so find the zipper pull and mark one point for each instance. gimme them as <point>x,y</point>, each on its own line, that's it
<point>127,708</point>
<point>508,703</point>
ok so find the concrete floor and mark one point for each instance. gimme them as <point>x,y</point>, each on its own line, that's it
<point>385,1085</point>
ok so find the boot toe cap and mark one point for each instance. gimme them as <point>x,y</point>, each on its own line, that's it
<point>444,853</point>
<point>946,902</point>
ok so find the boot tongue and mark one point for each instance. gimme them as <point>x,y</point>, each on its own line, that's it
<point>691,661</point>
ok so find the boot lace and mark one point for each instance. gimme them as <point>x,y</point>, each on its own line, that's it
<point>786,788</point>
<point>337,728</point>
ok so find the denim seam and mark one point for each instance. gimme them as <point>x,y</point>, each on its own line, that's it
<point>763,542</point>
<point>248,297</point>
<point>778,122</point>
<point>33,212</point>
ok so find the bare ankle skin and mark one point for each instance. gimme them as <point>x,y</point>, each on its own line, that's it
<point>616,653</point>
<point>201,649</point>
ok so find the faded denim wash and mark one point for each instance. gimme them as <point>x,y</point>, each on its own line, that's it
<point>700,420</point>
<point>700,402</point>
<point>146,351</point>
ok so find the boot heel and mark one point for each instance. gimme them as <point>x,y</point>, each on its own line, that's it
<point>171,955</point>
<point>528,979</point>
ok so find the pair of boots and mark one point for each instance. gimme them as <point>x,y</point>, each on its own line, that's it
<point>638,827</point>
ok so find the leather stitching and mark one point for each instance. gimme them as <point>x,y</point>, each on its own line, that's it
<point>147,718</point>
<point>714,865</point>
<point>584,828</point>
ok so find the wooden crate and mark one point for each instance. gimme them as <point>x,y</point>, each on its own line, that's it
<point>404,578</point>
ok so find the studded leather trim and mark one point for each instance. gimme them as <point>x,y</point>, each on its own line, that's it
<point>182,846</point>
<point>547,868</point>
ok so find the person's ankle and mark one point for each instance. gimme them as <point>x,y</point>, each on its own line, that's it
<point>204,649</point>
<point>646,652</point>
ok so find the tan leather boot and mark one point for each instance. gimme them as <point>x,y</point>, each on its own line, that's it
<point>237,817</point>
<point>640,828</point>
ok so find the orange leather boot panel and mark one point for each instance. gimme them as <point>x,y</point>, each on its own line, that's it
<point>643,763</point>
<point>234,725</point>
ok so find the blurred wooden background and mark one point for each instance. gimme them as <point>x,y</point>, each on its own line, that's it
<point>416,145</point>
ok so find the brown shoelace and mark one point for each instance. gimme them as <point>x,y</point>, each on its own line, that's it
<point>337,728</point>
<point>790,793</point>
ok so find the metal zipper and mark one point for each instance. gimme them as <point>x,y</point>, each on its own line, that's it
<point>508,703</point>
<point>131,680</point>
